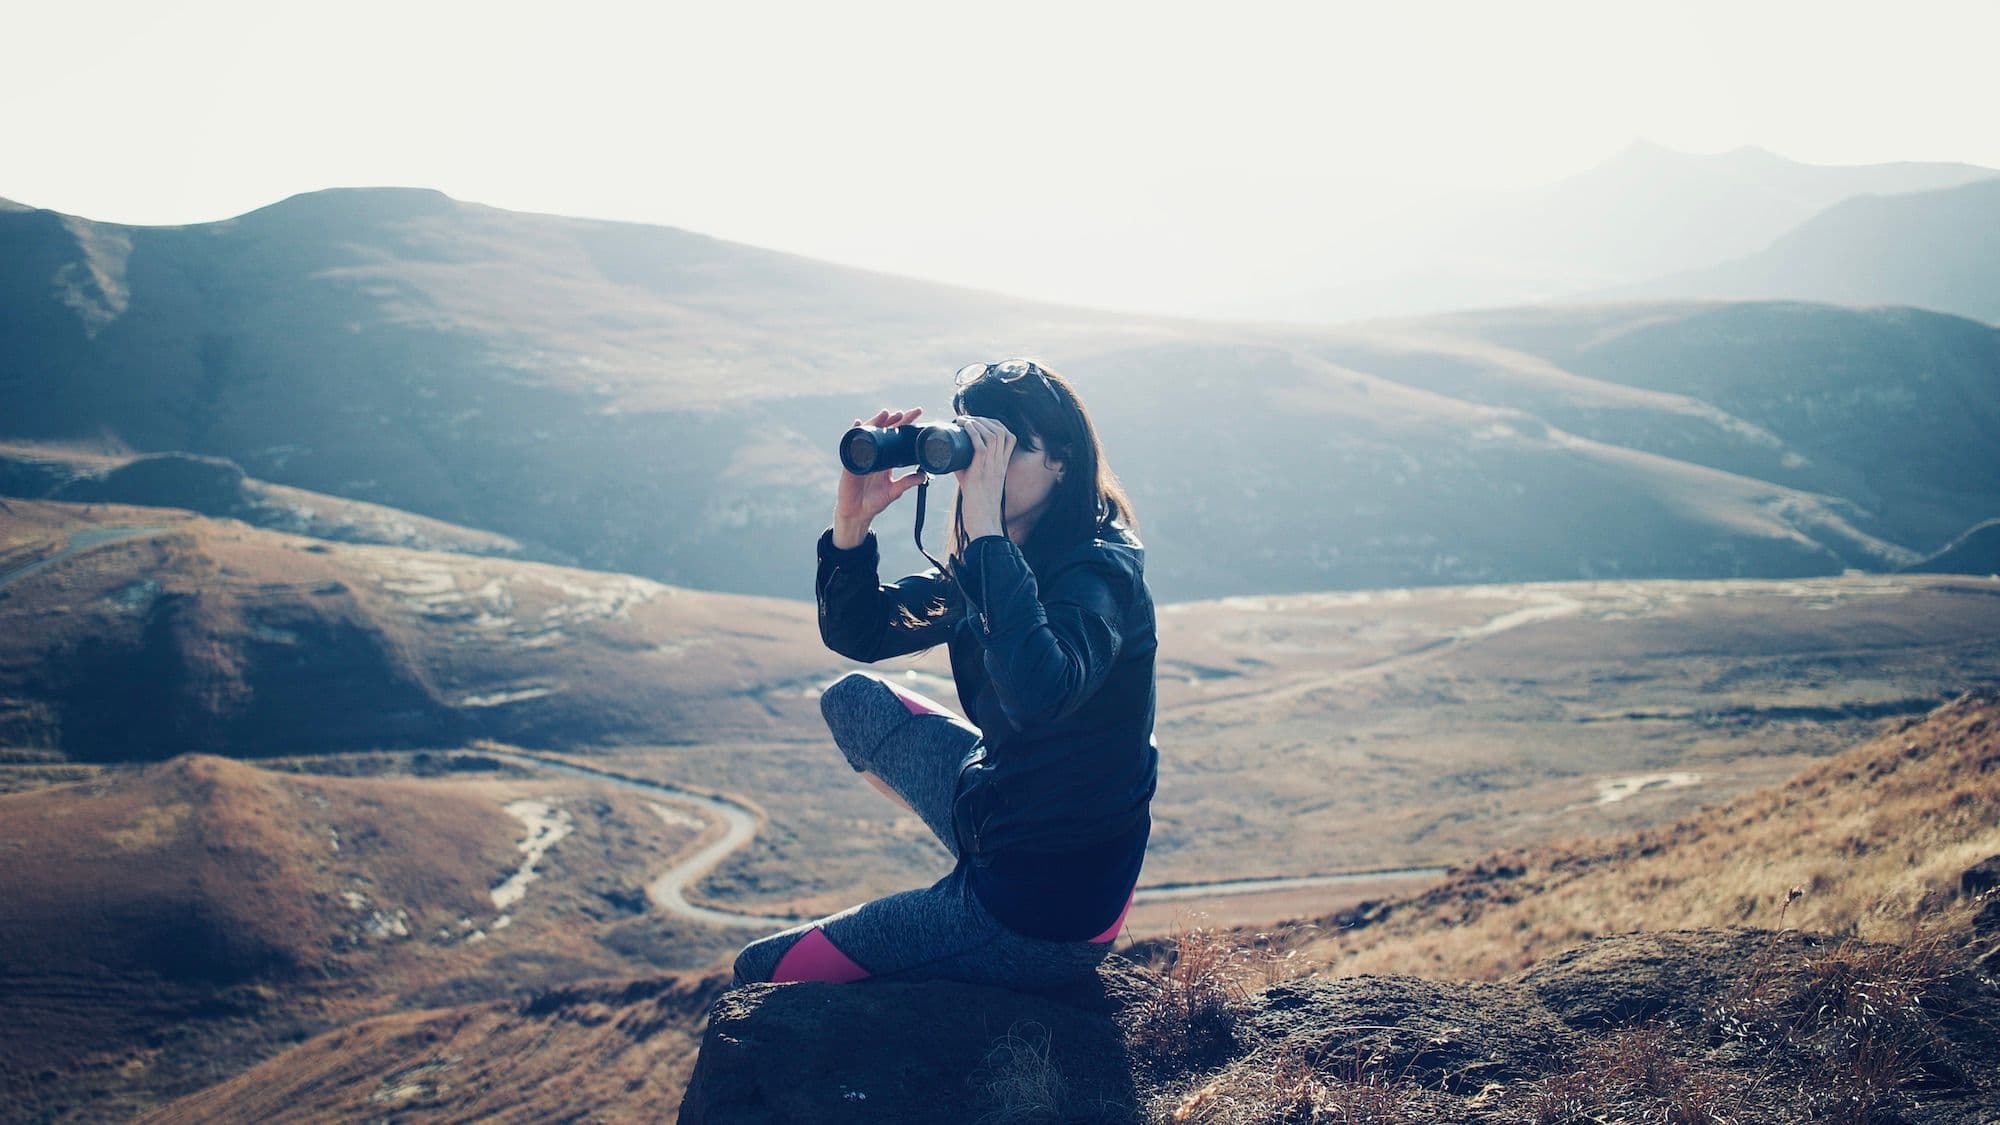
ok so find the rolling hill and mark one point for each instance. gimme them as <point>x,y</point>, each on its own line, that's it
<point>153,918</point>
<point>165,634</point>
<point>166,927</point>
<point>650,401</point>
<point>1645,212</point>
<point>215,487</point>
<point>1887,409</point>
<point>1935,249</point>
<point>1651,210</point>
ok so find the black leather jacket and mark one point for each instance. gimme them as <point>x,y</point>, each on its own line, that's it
<point>1056,670</point>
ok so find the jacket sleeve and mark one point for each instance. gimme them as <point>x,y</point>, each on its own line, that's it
<point>863,620</point>
<point>1047,652</point>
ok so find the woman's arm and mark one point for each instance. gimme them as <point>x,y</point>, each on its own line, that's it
<point>1047,651</point>
<point>864,620</point>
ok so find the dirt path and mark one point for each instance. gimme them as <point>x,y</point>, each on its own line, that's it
<point>668,891</point>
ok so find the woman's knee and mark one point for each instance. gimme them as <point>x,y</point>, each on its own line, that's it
<point>860,710</point>
<point>853,693</point>
<point>754,962</point>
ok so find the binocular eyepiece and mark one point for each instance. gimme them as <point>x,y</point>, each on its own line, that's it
<point>934,447</point>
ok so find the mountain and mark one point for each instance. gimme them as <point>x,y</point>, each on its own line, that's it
<point>1890,410</point>
<point>1935,249</point>
<point>1651,210</point>
<point>1646,211</point>
<point>650,401</point>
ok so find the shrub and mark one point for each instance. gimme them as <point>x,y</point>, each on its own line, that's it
<point>1189,1024</point>
<point>1864,1020</point>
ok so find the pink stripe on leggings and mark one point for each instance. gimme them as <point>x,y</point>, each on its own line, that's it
<point>1120,923</point>
<point>916,704</point>
<point>814,957</point>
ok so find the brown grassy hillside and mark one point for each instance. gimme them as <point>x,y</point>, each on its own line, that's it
<point>1864,844</point>
<point>167,926</point>
<point>195,635</point>
<point>152,913</point>
<point>595,1052</point>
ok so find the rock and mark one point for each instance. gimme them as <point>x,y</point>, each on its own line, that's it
<point>1414,1049</point>
<point>1980,877</point>
<point>1620,980</point>
<point>928,1051</point>
<point>1458,1035</point>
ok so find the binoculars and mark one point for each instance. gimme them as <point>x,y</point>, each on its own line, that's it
<point>934,447</point>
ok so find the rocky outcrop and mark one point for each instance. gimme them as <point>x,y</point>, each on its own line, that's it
<point>1746,1023</point>
<point>931,1051</point>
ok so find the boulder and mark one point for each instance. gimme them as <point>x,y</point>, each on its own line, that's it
<point>925,1051</point>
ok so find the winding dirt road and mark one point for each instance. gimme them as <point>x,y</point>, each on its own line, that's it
<point>668,891</point>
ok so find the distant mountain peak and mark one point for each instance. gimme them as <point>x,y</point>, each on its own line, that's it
<point>1755,154</point>
<point>1643,149</point>
<point>366,204</point>
<point>10,205</point>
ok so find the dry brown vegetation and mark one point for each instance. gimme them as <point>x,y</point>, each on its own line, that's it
<point>166,927</point>
<point>1312,734</point>
<point>609,1051</point>
<point>1878,1011</point>
<point>1786,1028</point>
<point>1871,840</point>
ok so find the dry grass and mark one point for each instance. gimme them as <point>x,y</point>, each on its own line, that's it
<point>1190,1024</point>
<point>1859,846</point>
<point>1022,1080</point>
<point>1638,1075</point>
<point>1863,1021</point>
<point>1286,1087</point>
<point>1815,1029</point>
<point>1207,976</point>
<point>1847,1025</point>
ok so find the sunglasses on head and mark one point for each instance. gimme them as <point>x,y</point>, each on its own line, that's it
<point>1005,371</point>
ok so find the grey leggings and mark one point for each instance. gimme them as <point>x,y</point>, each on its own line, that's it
<point>940,932</point>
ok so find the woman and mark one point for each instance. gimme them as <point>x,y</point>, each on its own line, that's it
<point>1042,797</point>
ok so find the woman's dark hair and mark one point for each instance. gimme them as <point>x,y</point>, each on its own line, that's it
<point>1087,497</point>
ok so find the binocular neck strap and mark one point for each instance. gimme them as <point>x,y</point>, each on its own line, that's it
<point>923,491</point>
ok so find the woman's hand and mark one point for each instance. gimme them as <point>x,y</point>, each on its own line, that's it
<point>983,484</point>
<point>862,498</point>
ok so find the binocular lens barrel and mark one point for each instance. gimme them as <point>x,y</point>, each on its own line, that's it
<point>937,447</point>
<point>859,451</point>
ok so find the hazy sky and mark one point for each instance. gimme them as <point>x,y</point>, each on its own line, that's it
<point>1072,150</point>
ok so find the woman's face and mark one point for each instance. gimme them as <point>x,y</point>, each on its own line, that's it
<point>1031,480</point>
